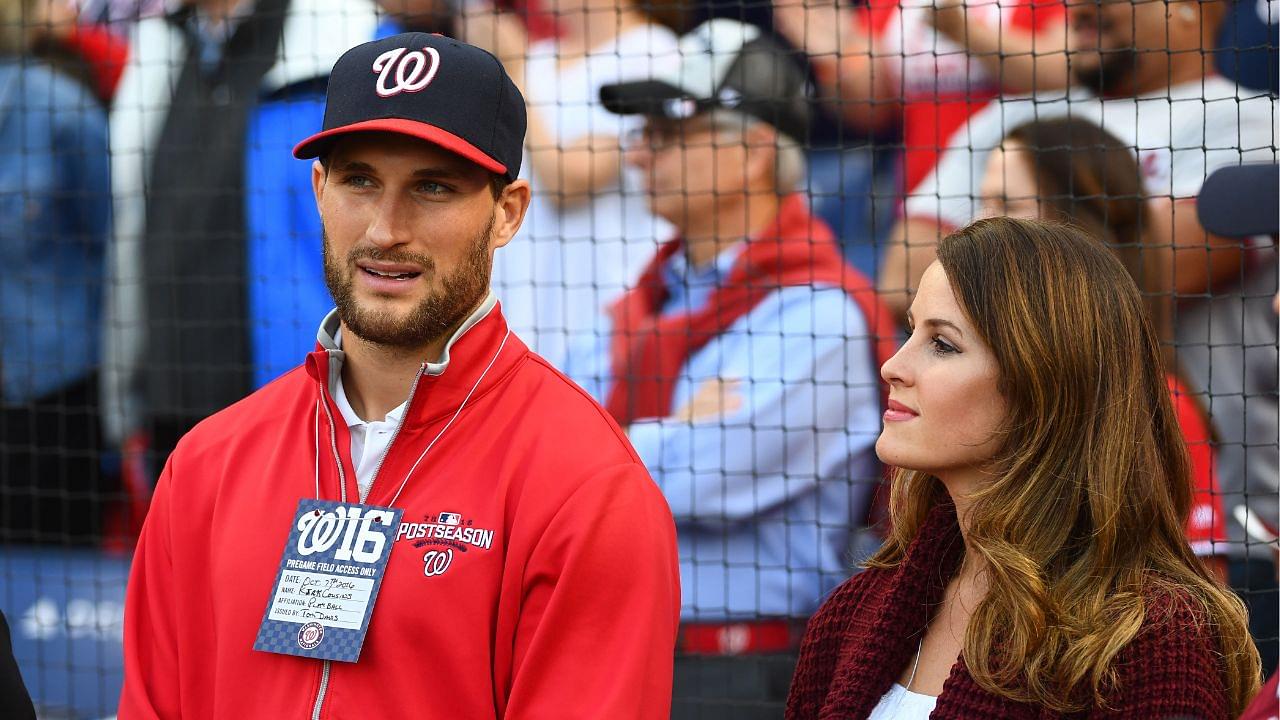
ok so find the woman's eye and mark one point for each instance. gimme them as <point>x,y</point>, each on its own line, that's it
<point>942,347</point>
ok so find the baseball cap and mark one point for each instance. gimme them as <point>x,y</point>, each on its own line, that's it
<point>723,64</point>
<point>1241,201</point>
<point>430,87</point>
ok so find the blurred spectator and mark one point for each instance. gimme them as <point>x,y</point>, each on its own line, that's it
<point>1141,73</point>
<point>742,364</point>
<point>1249,44</point>
<point>286,274</point>
<point>55,197</point>
<point>905,61</point>
<point>1074,171</point>
<point>178,330</point>
<point>588,232</point>
<point>1228,345</point>
<point>91,53</point>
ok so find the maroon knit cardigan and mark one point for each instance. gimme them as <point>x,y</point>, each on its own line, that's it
<point>862,637</point>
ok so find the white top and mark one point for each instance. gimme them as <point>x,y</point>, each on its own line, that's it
<point>562,267</point>
<point>369,440</point>
<point>1180,136</point>
<point>902,704</point>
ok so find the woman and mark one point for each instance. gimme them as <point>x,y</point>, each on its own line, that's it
<point>1071,170</point>
<point>1037,565</point>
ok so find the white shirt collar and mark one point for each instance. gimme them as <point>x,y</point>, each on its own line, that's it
<point>329,336</point>
<point>344,405</point>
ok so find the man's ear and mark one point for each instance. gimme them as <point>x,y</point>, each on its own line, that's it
<point>318,176</point>
<point>509,210</point>
<point>761,142</point>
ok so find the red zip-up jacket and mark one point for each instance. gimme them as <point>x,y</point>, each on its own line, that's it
<point>563,605</point>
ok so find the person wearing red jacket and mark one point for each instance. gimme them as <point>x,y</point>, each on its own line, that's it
<point>533,571</point>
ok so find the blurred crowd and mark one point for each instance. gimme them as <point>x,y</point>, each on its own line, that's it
<point>162,256</point>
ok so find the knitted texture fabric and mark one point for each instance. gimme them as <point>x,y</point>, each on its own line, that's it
<point>858,643</point>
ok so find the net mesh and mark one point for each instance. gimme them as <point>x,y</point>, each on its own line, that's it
<point>161,258</point>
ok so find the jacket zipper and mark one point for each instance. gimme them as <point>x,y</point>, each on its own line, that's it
<point>342,478</point>
<point>342,484</point>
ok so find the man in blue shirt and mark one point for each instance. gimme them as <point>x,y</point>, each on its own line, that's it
<point>743,365</point>
<point>55,196</point>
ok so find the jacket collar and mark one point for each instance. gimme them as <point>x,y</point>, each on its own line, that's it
<point>479,354</point>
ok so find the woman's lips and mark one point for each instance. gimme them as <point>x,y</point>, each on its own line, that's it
<point>897,412</point>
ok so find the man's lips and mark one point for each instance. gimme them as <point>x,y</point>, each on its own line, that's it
<point>392,271</point>
<point>897,412</point>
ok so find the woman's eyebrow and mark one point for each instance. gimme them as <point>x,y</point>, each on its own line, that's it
<point>938,322</point>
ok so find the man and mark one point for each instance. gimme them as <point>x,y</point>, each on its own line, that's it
<point>534,573</point>
<point>286,289</point>
<point>1227,346</point>
<point>1141,72</point>
<point>177,332</point>
<point>54,179</point>
<point>743,365</point>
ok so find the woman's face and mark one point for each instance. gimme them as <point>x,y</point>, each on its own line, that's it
<point>944,403</point>
<point>1009,185</point>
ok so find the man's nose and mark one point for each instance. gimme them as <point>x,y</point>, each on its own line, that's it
<point>390,225</point>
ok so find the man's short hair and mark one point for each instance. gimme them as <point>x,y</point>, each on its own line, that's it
<point>790,168</point>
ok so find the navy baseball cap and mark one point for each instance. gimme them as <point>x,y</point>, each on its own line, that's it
<point>1241,200</point>
<point>430,87</point>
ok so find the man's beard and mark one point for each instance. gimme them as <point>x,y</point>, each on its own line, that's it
<point>1111,76</point>
<point>438,314</point>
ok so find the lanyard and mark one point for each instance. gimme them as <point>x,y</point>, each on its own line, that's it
<point>334,444</point>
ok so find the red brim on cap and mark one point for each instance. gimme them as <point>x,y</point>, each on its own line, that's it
<point>315,145</point>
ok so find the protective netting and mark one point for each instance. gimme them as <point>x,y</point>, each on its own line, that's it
<point>160,258</point>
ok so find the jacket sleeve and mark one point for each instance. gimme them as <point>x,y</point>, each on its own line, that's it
<point>150,649</point>
<point>596,632</point>
<point>1172,669</point>
<point>821,649</point>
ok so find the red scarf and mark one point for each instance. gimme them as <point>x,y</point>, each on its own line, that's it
<point>648,350</point>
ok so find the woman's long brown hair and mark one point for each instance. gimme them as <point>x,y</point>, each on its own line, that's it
<point>1083,518</point>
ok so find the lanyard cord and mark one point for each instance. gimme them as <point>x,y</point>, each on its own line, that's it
<point>449,424</point>
<point>317,440</point>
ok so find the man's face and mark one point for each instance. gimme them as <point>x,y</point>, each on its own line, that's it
<point>1123,47</point>
<point>1109,41</point>
<point>688,166</point>
<point>418,13</point>
<point>408,237</point>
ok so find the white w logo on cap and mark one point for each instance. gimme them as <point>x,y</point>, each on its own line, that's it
<point>410,71</point>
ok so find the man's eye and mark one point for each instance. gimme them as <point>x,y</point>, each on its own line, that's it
<point>433,188</point>
<point>357,181</point>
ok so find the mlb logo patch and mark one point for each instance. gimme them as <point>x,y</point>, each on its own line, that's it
<point>447,518</point>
